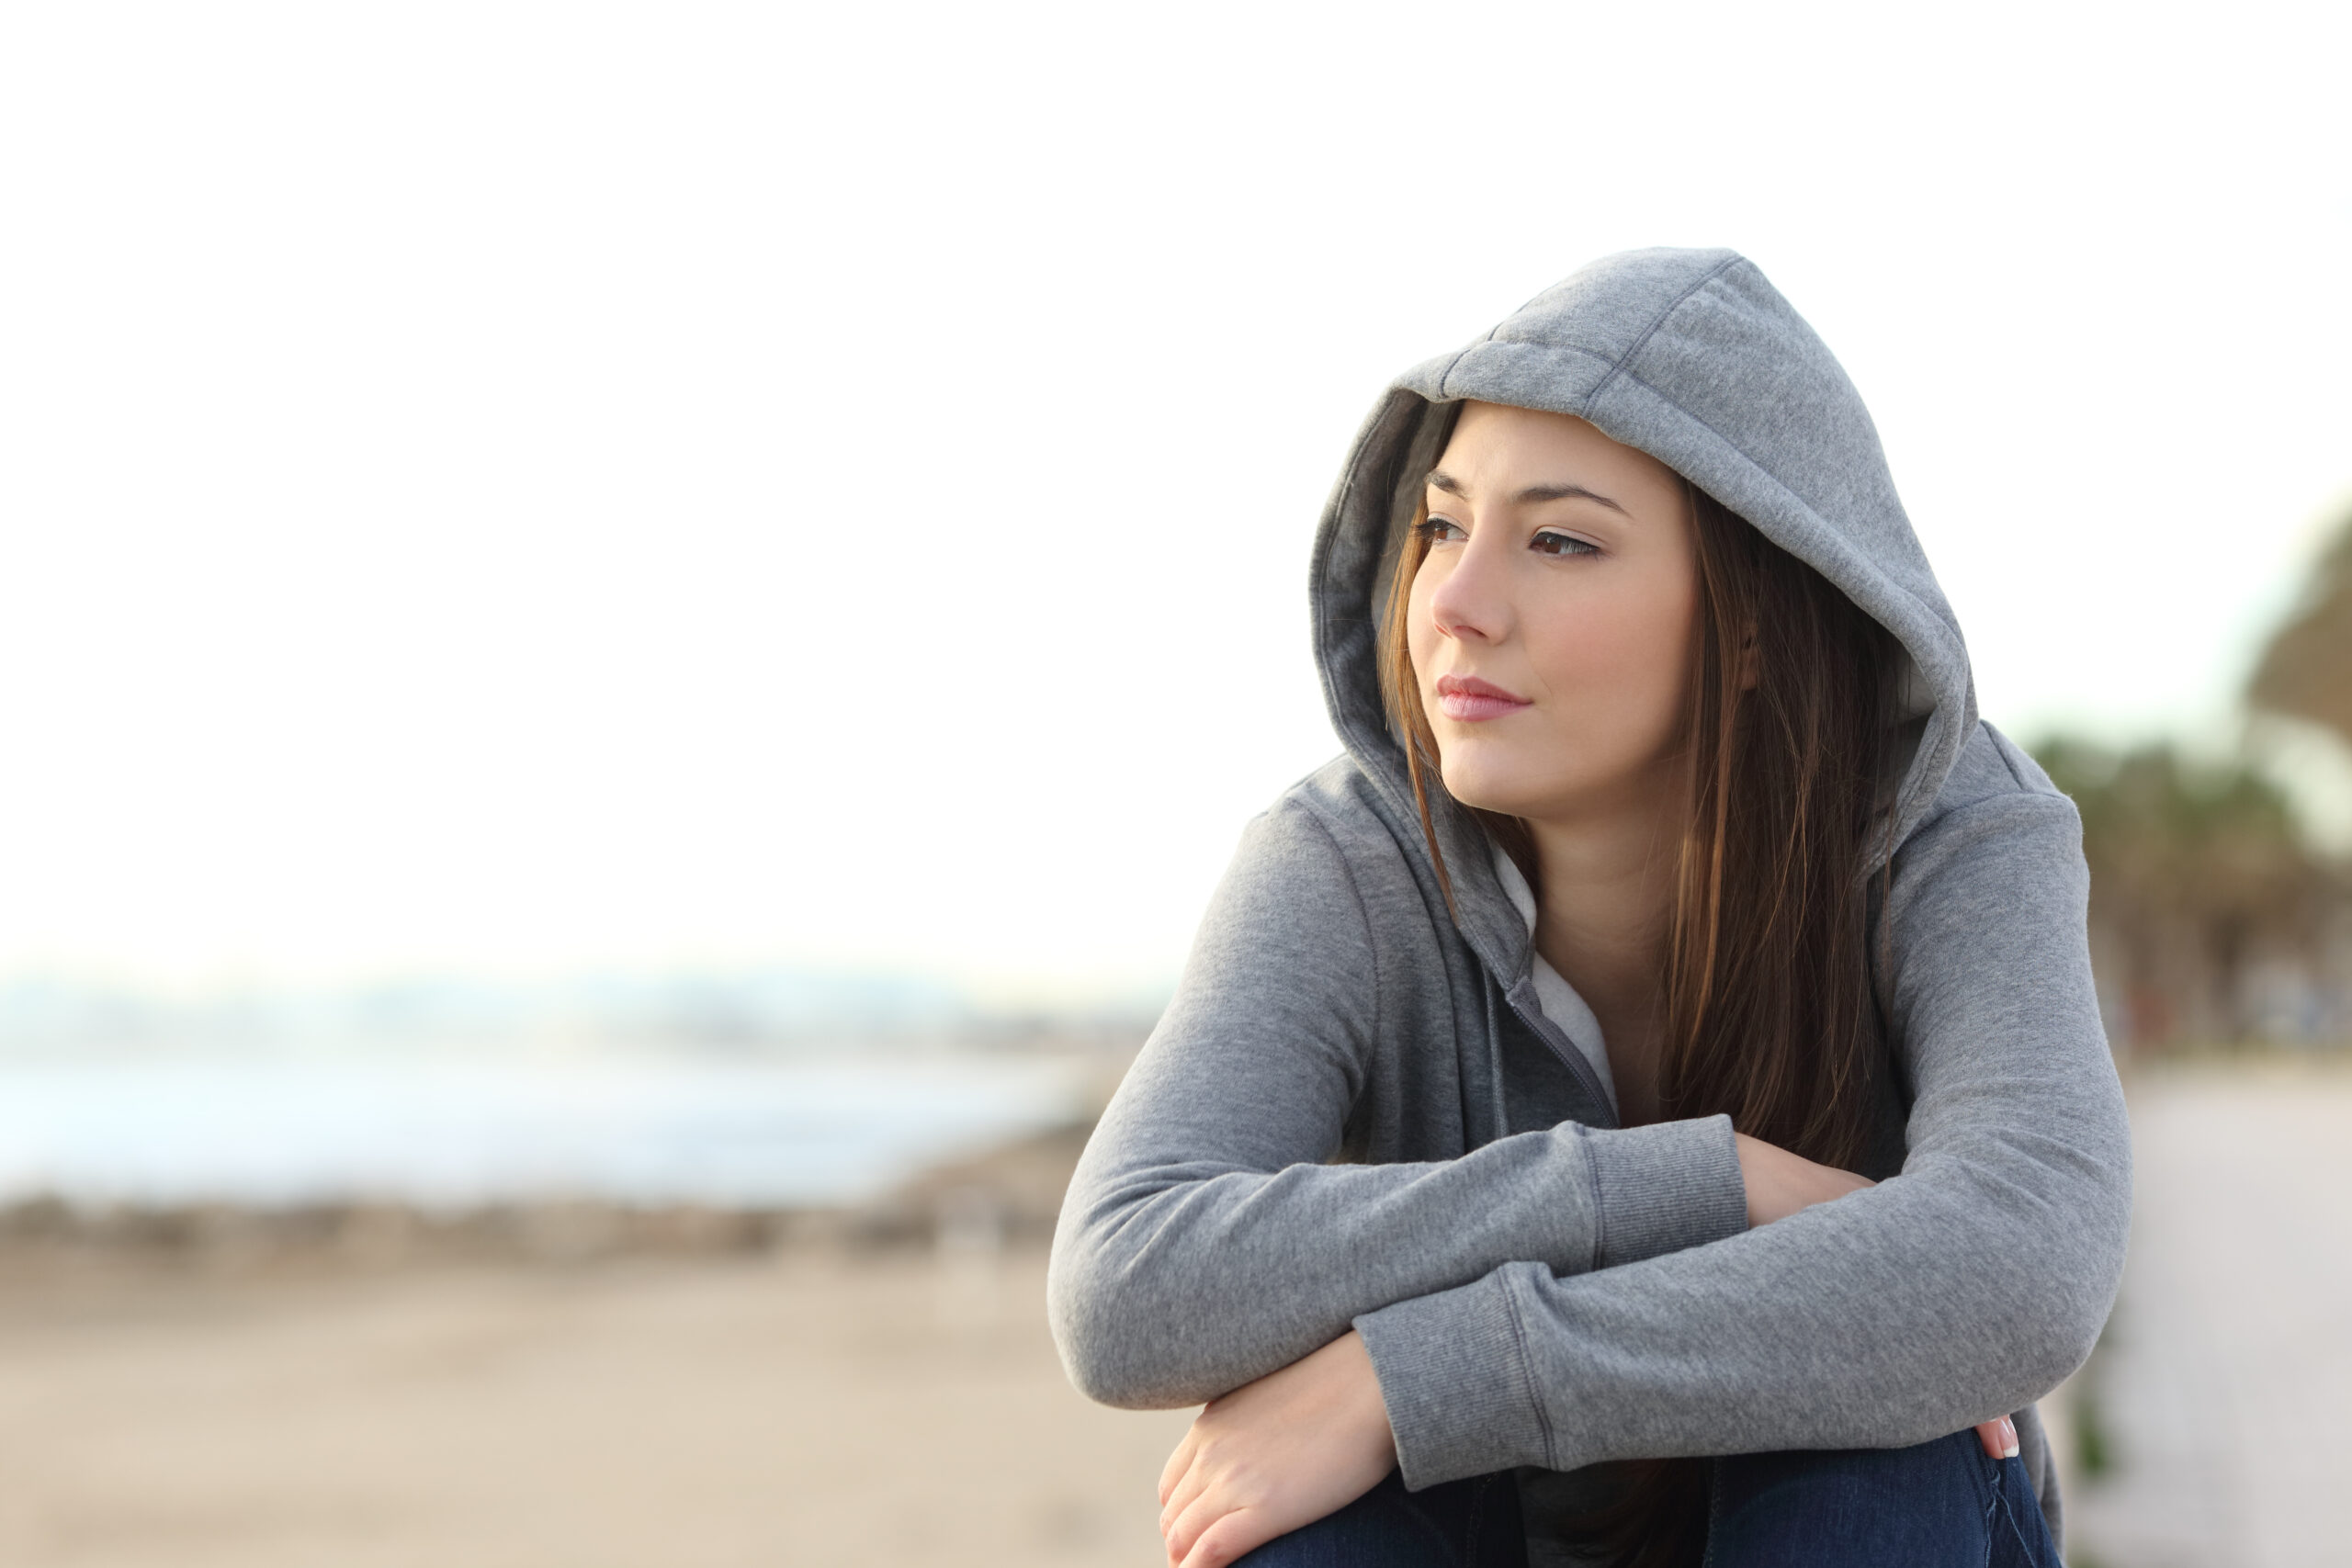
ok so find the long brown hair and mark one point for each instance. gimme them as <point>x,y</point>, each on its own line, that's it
<point>1765,987</point>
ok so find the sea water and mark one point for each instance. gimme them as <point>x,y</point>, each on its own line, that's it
<point>455,1133</point>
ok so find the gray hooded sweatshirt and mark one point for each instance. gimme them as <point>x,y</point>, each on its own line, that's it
<point>1358,1111</point>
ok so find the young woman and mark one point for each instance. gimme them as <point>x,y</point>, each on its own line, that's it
<point>1665,1035</point>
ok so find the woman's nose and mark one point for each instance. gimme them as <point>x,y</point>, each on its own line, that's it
<point>1470,603</point>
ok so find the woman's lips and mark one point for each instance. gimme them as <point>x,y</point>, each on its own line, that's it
<point>1468,700</point>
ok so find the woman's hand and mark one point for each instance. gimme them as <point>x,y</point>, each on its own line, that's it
<point>1273,1455</point>
<point>1780,1183</point>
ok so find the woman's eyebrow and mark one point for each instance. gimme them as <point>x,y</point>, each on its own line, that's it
<point>1565,493</point>
<point>1439,480</point>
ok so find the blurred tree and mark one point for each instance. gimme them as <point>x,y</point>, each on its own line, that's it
<point>2306,671</point>
<point>2201,880</point>
<point>2196,872</point>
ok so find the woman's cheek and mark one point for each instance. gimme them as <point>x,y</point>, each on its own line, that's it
<point>1615,688</point>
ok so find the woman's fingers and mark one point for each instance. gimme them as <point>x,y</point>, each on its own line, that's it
<point>1230,1540</point>
<point>1999,1436</point>
<point>1178,1462</point>
<point>1185,1527</point>
<point>1181,1496</point>
<point>1282,1452</point>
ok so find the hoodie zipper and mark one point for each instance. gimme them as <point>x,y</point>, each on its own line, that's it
<point>1552,1035</point>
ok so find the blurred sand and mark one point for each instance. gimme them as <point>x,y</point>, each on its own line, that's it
<point>884,1392</point>
<point>821,1406</point>
<point>2223,1385</point>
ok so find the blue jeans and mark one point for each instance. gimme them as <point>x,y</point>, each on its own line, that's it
<point>1941,1505</point>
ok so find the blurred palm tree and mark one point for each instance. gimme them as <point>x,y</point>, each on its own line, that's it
<point>2306,671</point>
<point>2201,879</point>
<point>2198,874</point>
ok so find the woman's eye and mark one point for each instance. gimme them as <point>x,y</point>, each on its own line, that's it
<point>1562,544</point>
<point>1439,530</point>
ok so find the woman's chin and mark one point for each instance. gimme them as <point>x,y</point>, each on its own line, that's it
<point>1487,789</point>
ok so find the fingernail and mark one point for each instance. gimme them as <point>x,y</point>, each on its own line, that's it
<point>2008,1438</point>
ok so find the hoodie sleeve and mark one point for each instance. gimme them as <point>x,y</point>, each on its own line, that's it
<point>1203,1243</point>
<point>1968,1285</point>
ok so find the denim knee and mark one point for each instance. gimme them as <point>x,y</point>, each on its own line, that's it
<point>1943,1503</point>
<point>1462,1524</point>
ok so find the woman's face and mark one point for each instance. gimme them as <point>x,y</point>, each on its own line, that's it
<point>1551,622</point>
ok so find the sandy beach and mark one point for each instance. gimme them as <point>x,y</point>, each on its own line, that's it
<point>888,1394</point>
<point>823,1407</point>
<point>2220,1386</point>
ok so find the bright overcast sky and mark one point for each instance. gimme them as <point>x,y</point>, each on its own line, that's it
<point>515,488</point>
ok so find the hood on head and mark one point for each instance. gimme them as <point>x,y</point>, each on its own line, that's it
<point>1690,357</point>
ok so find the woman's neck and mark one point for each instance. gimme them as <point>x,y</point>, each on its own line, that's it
<point>1604,895</point>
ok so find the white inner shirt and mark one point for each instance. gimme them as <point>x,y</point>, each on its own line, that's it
<point>1553,993</point>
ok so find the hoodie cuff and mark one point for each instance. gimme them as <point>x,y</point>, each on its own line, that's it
<point>1454,1373</point>
<point>1665,1187</point>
